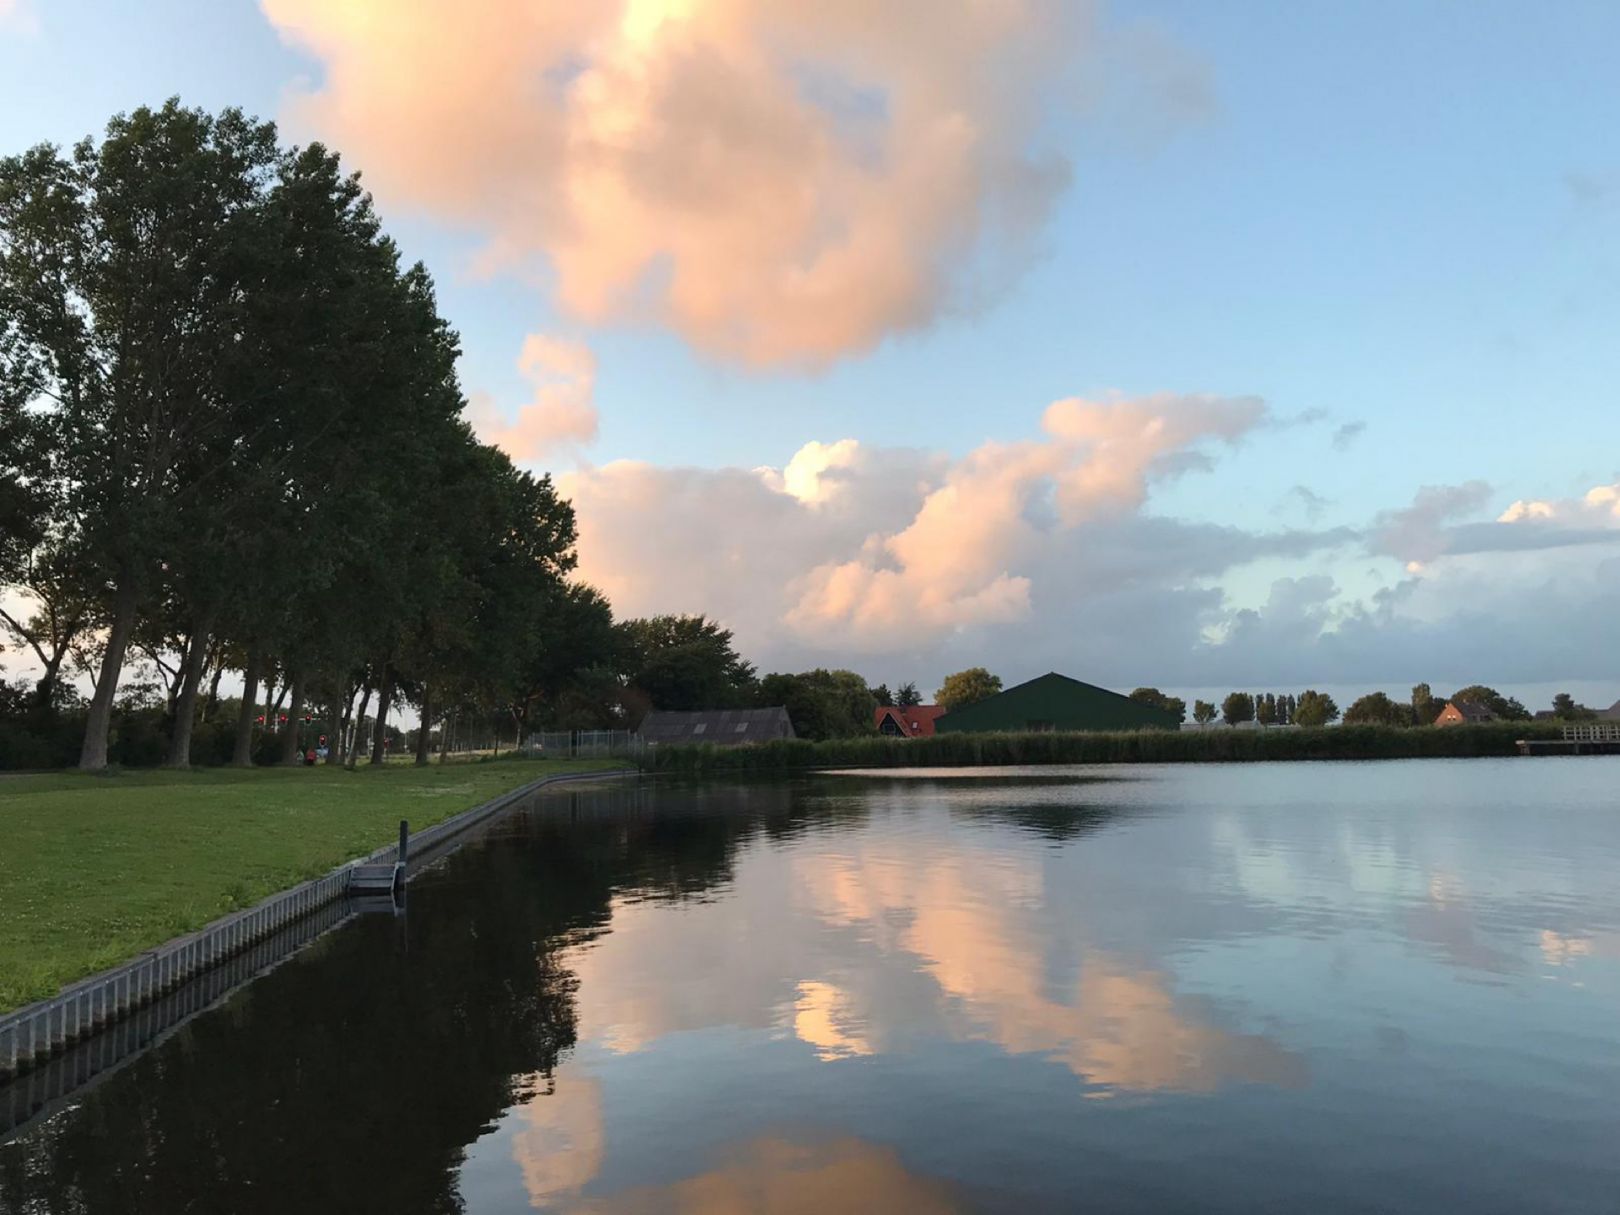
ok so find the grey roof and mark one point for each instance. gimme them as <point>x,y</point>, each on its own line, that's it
<point>1472,710</point>
<point>723,727</point>
<point>1612,713</point>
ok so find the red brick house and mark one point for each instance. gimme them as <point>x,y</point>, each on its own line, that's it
<point>908,721</point>
<point>1463,713</point>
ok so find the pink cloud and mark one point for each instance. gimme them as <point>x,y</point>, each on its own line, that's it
<point>780,183</point>
<point>562,413</point>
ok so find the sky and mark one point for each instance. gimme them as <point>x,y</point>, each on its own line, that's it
<point>1255,345</point>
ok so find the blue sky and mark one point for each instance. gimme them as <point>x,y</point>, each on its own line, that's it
<point>1394,217</point>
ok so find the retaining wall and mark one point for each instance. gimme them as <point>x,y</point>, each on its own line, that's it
<point>32,1035</point>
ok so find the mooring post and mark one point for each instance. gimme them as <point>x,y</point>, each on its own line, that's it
<point>404,839</point>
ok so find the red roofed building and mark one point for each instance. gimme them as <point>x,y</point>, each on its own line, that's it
<point>906,721</point>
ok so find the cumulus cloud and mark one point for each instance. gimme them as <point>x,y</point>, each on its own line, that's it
<point>850,552</point>
<point>781,183</point>
<point>562,413</point>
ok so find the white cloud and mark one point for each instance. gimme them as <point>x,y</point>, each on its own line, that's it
<point>1046,555</point>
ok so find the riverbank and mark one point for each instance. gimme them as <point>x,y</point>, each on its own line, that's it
<point>1131,747</point>
<point>96,869</point>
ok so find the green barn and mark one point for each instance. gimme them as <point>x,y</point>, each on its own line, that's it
<point>1055,702</point>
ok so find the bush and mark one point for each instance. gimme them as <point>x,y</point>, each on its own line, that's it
<point>1137,746</point>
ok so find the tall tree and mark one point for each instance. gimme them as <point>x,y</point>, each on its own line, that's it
<point>822,704</point>
<point>1315,709</point>
<point>1203,712</point>
<point>1170,704</point>
<point>907,696</point>
<point>1237,708</point>
<point>119,266</point>
<point>967,687</point>
<point>1376,708</point>
<point>685,662</point>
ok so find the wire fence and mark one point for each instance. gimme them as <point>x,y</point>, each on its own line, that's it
<point>583,744</point>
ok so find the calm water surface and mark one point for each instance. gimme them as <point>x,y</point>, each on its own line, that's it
<point>1315,987</point>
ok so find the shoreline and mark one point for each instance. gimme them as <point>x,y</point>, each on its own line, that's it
<point>35,1033</point>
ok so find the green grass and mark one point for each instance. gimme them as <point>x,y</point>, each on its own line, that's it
<point>94,869</point>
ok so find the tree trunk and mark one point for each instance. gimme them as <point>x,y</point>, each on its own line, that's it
<point>290,756</point>
<point>359,723</point>
<point>424,732</point>
<point>45,688</point>
<point>211,705</point>
<point>273,718</point>
<point>185,704</point>
<point>338,737</point>
<point>93,755</point>
<point>379,736</point>
<point>242,754</point>
<point>188,647</point>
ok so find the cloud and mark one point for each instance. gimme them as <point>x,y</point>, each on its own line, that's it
<point>1345,436</point>
<point>780,183</point>
<point>562,413</point>
<point>1418,533</point>
<point>1033,554</point>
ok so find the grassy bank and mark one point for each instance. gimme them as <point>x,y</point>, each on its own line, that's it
<point>94,869</point>
<point>1137,746</point>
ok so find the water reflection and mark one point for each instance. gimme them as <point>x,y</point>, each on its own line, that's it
<point>1189,990</point>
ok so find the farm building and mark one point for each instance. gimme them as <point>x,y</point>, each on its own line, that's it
<point>722,727</point>
<point>1463,713</point>
<point>1056,702</point>
<point>906,721</point>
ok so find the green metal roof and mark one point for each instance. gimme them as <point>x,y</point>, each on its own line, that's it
<point>1056,702</point>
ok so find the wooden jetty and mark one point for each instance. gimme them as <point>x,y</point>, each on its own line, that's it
<point>1601,738</point>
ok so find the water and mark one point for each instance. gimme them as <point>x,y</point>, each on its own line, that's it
<point>1315,987</point>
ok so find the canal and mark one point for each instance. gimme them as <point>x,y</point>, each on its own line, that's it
<point>1370,987</point>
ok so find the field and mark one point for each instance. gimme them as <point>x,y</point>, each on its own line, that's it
<point>94,869</point>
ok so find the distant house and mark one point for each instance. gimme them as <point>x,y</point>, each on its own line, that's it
<point>1464,713</point>
<point>722,727</point>
<point>1612,713</point>
<point>906,721</point>
<point>1056,702</point>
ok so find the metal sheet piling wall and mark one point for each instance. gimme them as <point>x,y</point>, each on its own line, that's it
<point>31,1036</point>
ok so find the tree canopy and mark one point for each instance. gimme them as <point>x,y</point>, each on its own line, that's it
<point>965,688</point>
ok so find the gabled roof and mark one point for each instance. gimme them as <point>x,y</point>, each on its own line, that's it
<point>722,727</point>
<point>913,721</point>
<point>1057,702</point>
<point>1612,713</point>
<point>1471,710</point>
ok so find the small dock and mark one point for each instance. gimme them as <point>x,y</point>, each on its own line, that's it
<point>1598,739</point>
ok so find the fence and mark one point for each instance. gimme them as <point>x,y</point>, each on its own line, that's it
<point>1604,732</point>
<point>583,744</point>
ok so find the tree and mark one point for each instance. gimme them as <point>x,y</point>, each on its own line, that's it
<point>685,662</point>
<point>1566,709</point>
<point>1236,708</point>
<point>882,695</point>
<point>1265,709</point>
<point>1315,709</point>
<point>121,271</point>
<point>1170,704</point>
<point>1203,712</point>
<point>906,695</point>
<point>822,704</point>
<point>1505,707</point>
<point>1376,709</point>
<point>1425,708</point>
<point>966,687</point>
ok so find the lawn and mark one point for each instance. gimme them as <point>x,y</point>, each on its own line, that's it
<point>94,869</point>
